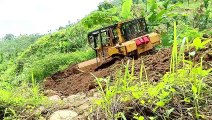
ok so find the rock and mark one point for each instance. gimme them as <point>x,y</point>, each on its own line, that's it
<point>50,93</point>
<point>84,107</point>
<point>63,115</point>
<point>74,98</point>
<point>90,93</point>
<point>55,98</point>
<point>82,117</point>
<point>97,95</point>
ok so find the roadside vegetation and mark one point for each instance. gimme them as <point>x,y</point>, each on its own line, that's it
<point>26,60</point>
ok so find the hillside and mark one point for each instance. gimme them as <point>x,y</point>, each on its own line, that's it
<point>62,48</point>
<point>153,91</point>
<point>42,63</point>
<point>74,38</point>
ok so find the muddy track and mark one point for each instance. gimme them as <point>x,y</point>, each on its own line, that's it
<point>156,65</point>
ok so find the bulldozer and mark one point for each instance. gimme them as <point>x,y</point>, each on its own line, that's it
<point>128,38</point>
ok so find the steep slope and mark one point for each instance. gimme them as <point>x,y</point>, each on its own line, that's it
<point>67,83</point>
<point>56,51</point>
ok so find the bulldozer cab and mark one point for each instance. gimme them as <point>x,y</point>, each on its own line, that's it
<point>116,34</point>
<point>103,37</point>
<point>133,29</point>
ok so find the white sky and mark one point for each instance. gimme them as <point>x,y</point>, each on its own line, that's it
<point>40,16</point>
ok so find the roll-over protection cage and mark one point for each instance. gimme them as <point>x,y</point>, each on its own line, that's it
<point>108,36</point>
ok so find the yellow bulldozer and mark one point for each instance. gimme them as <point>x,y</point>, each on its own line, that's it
<point>128,38</point>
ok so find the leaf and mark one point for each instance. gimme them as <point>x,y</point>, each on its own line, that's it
<point>142,102</point>
<point>154,5</point>
<point>188,62</point>
<point>206,42</point>
<point>125,99</point>
<point>138,117</point>
<point>126,8</point>
<point>151,118</point>
<point>98,102</point>
<point>160,14</point>
<point>160,103</point>
<point>187,100</point>
<point>172,90</point>
<point>194,89</point>
<point>164,94</point>
<point>197,42</point>
<point>209,70</point>
<point>141,118</point>
<point>136,95</point>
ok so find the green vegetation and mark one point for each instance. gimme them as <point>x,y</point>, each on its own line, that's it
<point>186,85</point>
<point>27,96</point>
<point>11,46</point>
<point>27,59</point>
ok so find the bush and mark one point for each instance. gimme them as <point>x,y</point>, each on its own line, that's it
<point>53,63</point>
<point>14,100</point>
<point>131,96</point>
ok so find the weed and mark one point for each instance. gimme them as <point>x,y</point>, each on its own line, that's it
<point>184,83</point>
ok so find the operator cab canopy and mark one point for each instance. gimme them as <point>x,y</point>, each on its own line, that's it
<point>117,33</point>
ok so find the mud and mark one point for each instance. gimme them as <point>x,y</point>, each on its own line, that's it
<point>156,65</point>
<point>67,83</point>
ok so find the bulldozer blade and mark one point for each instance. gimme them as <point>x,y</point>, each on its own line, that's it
<point>88,66</point>
<point>108,62</point>
<point>76,70</point>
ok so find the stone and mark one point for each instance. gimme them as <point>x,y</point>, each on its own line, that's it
<point>74,98</point>
<point>84,107</point>
<point>97,95</point>
<point>50,93</point>
<point>82,117</point>
<point>63,115</point>
<point>55,98</point>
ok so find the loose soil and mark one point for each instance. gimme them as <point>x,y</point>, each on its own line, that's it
<point>67,82</point>
<point>156,63</point>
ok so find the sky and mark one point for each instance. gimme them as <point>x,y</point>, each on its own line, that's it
<point>40,16</point>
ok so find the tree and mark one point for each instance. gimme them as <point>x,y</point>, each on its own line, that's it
<point>105,5</point>
<point>9,37</point>
<point>117,2</point>
<point>137,1</point>
<point>1,58</point>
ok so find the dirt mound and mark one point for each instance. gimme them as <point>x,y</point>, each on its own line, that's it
<point>156,65</point>
<point>72,84</point>
<point>66,82</point>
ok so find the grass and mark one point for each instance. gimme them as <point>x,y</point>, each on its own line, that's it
<point>18,101</point>
<point>42,68</point>
<point>133,97</point>
<point>186,84</point>
<point>20,94</point>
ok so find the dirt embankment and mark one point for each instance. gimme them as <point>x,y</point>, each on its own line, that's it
<point>67,83</point>
<point>156,65</point>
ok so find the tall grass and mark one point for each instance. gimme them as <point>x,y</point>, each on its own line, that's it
<point>44,67</point>
<point>183,86</point>
<point>16,101</point>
